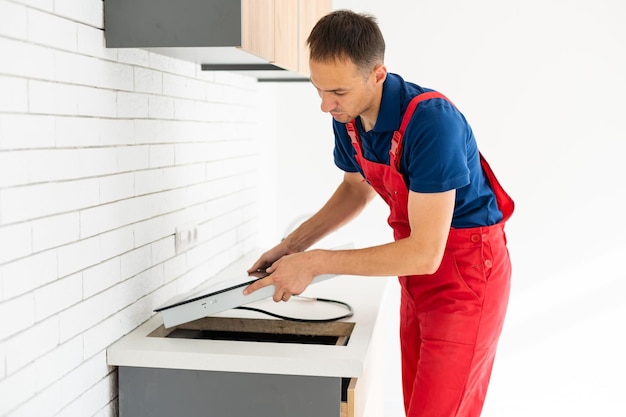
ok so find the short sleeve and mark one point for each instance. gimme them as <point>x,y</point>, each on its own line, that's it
<point>435,148</point>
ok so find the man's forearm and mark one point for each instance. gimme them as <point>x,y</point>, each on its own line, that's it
<point>402,257</point>
<point>345,204</point>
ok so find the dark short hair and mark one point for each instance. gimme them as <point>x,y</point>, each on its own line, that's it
<point>344,34</point>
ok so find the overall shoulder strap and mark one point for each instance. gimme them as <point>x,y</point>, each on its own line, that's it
<point>396,141</point>
<point>354,135</point>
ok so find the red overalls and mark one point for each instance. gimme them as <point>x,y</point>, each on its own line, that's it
<point>450,321</point>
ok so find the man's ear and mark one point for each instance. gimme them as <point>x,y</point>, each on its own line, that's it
<point>380,73</point>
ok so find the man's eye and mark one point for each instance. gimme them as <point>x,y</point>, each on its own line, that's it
<point>340,93</point>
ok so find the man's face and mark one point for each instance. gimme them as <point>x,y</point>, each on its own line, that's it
<point>346,93</point>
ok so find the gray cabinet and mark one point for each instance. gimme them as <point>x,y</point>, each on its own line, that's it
<point>176,392</point>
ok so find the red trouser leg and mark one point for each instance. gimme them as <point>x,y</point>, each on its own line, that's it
<point>450,323</point>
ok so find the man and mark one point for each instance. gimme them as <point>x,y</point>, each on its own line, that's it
<point>415,149</point>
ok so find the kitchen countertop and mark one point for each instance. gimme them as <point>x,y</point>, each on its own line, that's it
<point>364,294</point>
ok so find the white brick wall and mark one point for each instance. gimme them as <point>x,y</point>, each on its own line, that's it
<point>103,153</point>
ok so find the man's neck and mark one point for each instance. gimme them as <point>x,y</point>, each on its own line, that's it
<point>367,123</point>
<point>368,118</point>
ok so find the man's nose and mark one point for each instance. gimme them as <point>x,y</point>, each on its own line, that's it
<point>327,104</point>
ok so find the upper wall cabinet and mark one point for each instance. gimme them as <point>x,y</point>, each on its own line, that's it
<point>219,34</point>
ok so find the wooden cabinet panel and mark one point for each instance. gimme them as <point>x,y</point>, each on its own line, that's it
<point>347,408</point>
<point>310,12</point>
<point>292,23</point>
<point>257,26</point>
<point>286,34</point>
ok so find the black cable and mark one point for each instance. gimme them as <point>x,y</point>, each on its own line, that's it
<point>324,300</point>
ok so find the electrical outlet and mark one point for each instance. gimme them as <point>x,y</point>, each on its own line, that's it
<point>186,237</point>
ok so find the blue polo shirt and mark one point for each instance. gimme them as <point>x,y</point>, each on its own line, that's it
<point>439,151</point>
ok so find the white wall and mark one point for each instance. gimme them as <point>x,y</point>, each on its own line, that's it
<point>542,83</point>
<point>103,153</point>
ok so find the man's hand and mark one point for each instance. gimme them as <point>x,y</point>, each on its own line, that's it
<point>268,258</point>
<point>290,275</point>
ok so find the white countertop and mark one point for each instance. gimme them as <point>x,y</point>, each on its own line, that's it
<point>364,294</point>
